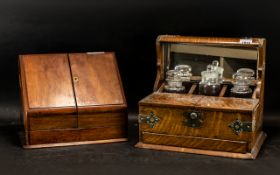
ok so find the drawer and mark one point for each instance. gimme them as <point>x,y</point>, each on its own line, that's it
<point>76,135</point>
<point>93,120</point>
<point>47,122</point>
<point>209,124</point>
<point>195,142</point>
<point>102,119</point>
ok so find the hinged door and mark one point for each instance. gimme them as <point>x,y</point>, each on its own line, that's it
<point>47,92</point>
<point>96,79</point>
<point>98,90</point>
<point>48,81</point>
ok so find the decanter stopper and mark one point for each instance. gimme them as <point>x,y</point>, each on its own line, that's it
<point>210,84</point>
<point>174,82</point>
<point>243,78</point>
<point>185,72</point>
<point>220,70</point>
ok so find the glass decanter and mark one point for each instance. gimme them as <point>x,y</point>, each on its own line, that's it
<point>174,82</point>
<point>210,84</point>
<point>220,70</point>
<point>243,78</point>
<point>185,73</point>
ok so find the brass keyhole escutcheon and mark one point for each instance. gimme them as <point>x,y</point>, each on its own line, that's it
<point>193,119</point>
<point>75,79</point>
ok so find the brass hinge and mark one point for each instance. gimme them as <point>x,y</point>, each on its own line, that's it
<point>238,126</point>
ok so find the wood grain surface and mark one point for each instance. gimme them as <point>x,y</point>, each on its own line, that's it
<point>76,135</point>
<point>48,122</point>
<point>48,145</point>
<point>98,79</point>
<point>102,119</point>
<point>48,81</point>
<point>195,142</point>
<point>199,102</point>
<point>215,123</point>
<point>249,155</point>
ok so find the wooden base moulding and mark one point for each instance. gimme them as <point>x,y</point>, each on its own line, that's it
<point>62,144</point>
<point>74,143</point>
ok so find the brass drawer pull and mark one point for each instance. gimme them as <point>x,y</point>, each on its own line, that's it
<point>150,119</point>
<point>238,126</point>
<point>193,119</point>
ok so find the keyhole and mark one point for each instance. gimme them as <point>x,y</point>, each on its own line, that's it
<point>76,79</point>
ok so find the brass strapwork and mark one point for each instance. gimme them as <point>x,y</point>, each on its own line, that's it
<point>237,126</point>
<point>150,119</point>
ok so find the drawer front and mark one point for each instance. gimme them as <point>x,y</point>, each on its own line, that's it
<point>203,123</point>
<point>76,135</point>
<point>195,142</point>
<point>93,120</point>
<point>102,119</point>
<point>48,122</point>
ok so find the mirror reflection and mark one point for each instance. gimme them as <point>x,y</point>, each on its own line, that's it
<point>210,67</point>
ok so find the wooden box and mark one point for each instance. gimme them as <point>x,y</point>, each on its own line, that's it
<point>224,126</point>
<point>71,99</point>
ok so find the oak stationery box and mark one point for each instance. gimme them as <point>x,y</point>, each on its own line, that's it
<point>71,99</point>
<point>192,120</point>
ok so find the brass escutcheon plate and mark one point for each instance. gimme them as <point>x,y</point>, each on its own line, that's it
<point>193,119</point>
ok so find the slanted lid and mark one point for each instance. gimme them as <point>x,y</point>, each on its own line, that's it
<point>48,81</point>
<point>96,79</point>
<point>198,52</point>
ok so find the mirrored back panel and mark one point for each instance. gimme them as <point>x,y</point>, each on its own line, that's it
<point>198,56</point>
